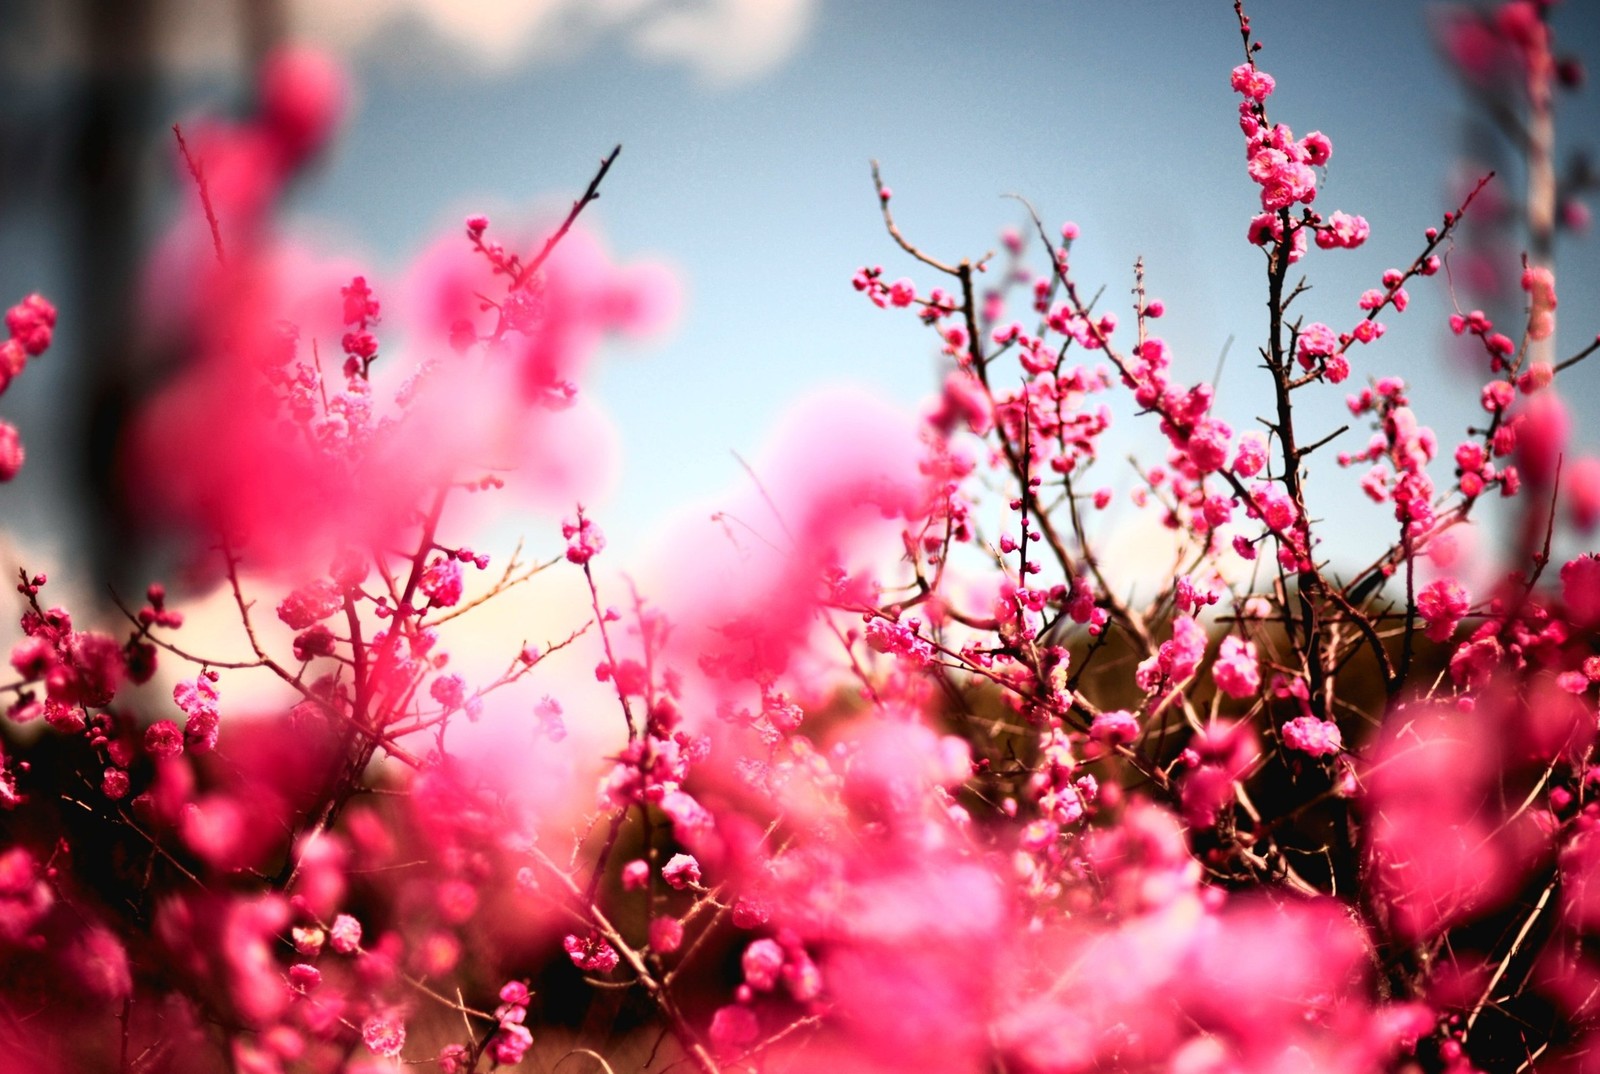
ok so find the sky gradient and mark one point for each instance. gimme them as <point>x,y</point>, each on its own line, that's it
<point>754,186</point>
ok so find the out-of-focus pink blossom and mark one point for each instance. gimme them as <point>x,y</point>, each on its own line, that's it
<point>1117,728</point>
<point>1540,283</point>
<point>1580,590</point>
<point>1581,486</point>
<point>1543,428</point>
<point>1444,843</point>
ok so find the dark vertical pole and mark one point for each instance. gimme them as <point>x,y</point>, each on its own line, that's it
<point>113,120</point>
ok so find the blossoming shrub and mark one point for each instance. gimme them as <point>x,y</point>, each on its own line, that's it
<point>893,776</point>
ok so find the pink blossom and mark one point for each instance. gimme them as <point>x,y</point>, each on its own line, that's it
<point>308,941</point>
<point>1192,592</point>
<point>963,403</point>
<point>1220,756</point>
<point>11,452</point>
<point>1343,230</point>
<point>750,913</point>
<point>1582,492</point>
<point>885,636</point>
<point>1376,483</point>
<point>345,934</point>
<point>510,1043</point>
<point>762,961</point>
<point>1275,507</point>
<point>1283,179</point>
<point>98,963</point>
<point>384,1034</point>
<point>13,359</point>
<point>1309,735</point>
<point>1543,429</point>
<point>304,977</point>
<point>868,720</point>
<point>1540,283</point>
<point>1442,604</point>
<point>218,830</point>
<point>733,1028</point>
<point>1252,454</point>
<point>1177,659</point>
<point>114,783</point>
<point>1445,843</point>
<point>691,821</point>
<point>456,901</point>
<point>1475,663</point>
<point>591,953</point>
<point>1574,682</point>
<point>584,539</point>
<point>1237,670</point>
<point>1580,590</point>
<point>450,691</point>
<point>1317,340</point>
<point>197,698</point>
<point>1536,378</point>
<point>312,643</point>
<point>25,895</point>
<point>86,668</point>
<point>243,934</point>
<point>1117,728</point>
<point>1207,445</point>
<point>1254,84</point>
<point>1267,227</point>
<point>163,739</point>
<point>31,323</point>
<point>666,935</point>
<point>302,95</point>
<point>310,604</point>
<point>441,583</point>
<point>681,871</point>
<point>1317,148</point>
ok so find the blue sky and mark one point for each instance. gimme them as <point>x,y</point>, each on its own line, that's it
<point>756,189</point>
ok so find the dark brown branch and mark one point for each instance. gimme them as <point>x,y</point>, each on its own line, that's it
<point>591,194</point>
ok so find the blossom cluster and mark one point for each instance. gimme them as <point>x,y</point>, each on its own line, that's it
<point>891,771</point>
<point>31,325</point>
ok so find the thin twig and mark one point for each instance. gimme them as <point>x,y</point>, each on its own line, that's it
<point>591,194</point>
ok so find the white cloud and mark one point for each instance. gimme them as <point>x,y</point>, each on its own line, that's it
<point>721,41</point>
<point>727,40</point>
<point>495,32</point>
